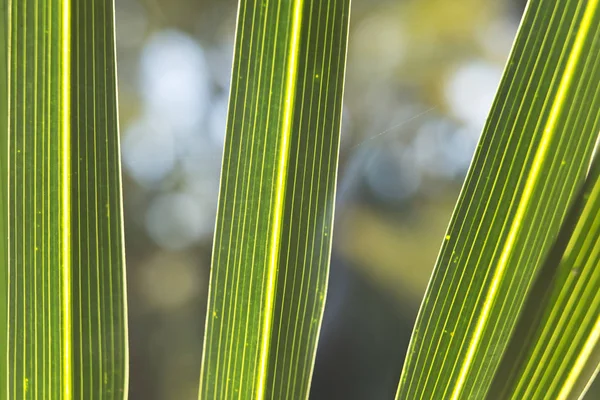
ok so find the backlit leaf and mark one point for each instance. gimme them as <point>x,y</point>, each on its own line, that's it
<point>533,155</point>
<point>3,189</point>
<point>66,326</point>
<point>273,234</point>
<point>555,350</point>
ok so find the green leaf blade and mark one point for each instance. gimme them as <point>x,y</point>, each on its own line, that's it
<point>533,153</point>
<point>100,351</point>
<point>3,191</point>
<point>273,235</point>
<point>67,334</point>
<point>39,356</point>
<point>555,351</point>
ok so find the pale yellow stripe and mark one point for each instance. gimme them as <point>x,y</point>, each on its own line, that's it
<point>581,361</point>
<point>283,156</point>
<point>66,199</point>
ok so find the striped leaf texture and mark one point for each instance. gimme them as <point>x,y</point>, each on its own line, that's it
<point>273,234</point>
<point>532,157</point>
<point>3,189</point>
<point>67,337</point>
<point>555,350</point>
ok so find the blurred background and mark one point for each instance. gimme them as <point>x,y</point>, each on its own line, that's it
<point>421,76</point>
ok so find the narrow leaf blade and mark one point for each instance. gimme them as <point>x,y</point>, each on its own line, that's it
<point>532,156</point>
<point>99,308</point>
<point>40,354</point>
<point>67,330</point>
<point>555,351</point>
<point>273,234</point>
<point>3,193</point>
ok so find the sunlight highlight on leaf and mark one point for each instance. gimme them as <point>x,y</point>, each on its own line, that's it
<point>532,157</point>
<point>67,314</point>
<point>555,350</point>
<point>273,235</point>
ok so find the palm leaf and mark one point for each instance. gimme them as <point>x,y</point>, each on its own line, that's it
<point>273,234</point>
<point>532,156</point>
<point>66,326</point>
<point>555,350</point>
